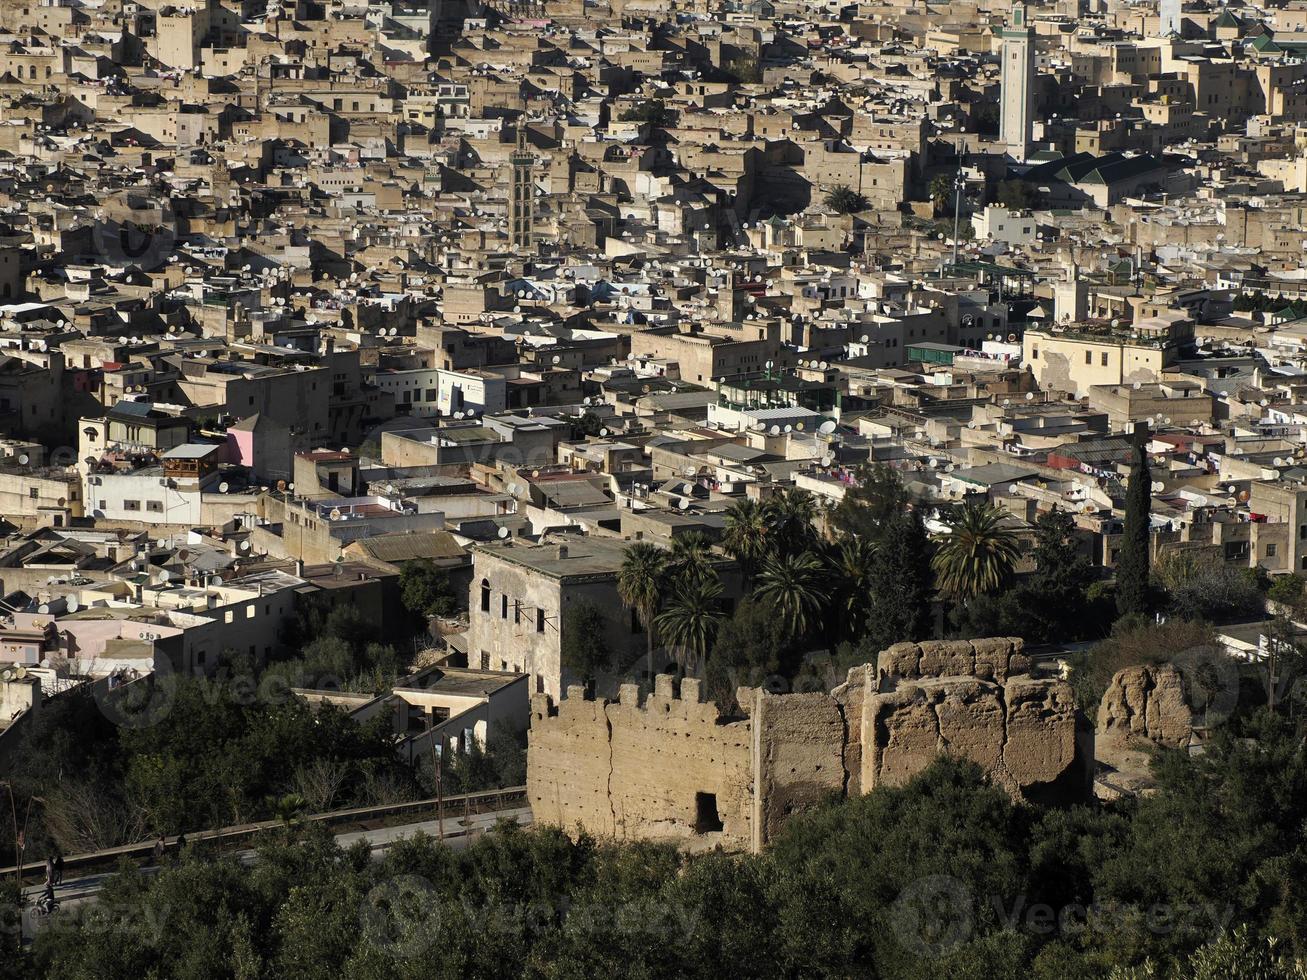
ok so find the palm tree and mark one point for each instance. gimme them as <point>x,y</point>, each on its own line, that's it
<point>978,554</point>
<point>845,200</point>
<point>791,513</point>
<point>791,584</point>
<point>690,558</point>
<point>852,563</point>
<point>691,619</point>
<point>748,535</point>
<point>641,582</point>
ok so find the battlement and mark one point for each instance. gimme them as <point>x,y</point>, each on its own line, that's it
<point>992,658</point>
<point>682,697</point>
<point>667,765</point>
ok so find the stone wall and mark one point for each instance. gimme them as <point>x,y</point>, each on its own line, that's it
<point>974,699</point>
<point>1146,704</point>
<point>673,768</point>
<point>667,768</point>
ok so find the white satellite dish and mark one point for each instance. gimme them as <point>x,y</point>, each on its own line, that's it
<point>687,488</point>
<point>502,532</point>
<point>73,605</point>
<point>825,461</point>
<point>24,459</point>
<point>216,580</point>
<point>1158,486</point>
<point>826,428</point>
<point>684,504</point>
<point>603,432</point>
<point>774,430</point>
<point>224,487</point>
<point>244,546</point>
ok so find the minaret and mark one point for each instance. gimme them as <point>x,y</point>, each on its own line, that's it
<point>521,193</point>
<point>1016,114</point>
<point>1169,17</point>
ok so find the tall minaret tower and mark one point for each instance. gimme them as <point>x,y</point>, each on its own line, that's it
<point>1016,114</point>
<point>521,193</point>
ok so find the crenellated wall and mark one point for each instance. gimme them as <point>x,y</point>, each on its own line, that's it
<point>671,767</point>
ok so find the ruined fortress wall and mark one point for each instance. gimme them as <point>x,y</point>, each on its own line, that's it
<point>799,743</point>
<point>974,699</point>
<point>628,769</point>
<point>652,770</point>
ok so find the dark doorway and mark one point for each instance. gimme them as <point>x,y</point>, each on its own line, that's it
<point>706,820</point>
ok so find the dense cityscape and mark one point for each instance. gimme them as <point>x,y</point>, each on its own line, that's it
<point>664,488</point>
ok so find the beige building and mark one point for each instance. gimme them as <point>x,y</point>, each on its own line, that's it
<point>1078,358</point>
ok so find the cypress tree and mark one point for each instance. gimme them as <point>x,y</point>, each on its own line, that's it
<point>1132,566</point>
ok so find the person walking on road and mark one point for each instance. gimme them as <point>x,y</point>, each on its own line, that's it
<point>159,847</point>
<point>58,866</point>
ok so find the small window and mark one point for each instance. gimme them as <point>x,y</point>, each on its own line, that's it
<point>1089,357</point>
<point>540,620</point>
<point>34,493</point>
<point>249,612</point>
<point>1104,358</point>
<point>154,506</point>
<point>1270,550</point>
<point>485,660</point>
<point>131,505</point>
<point>485,596</point>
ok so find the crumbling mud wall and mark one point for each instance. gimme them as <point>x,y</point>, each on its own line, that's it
<point>975,699</point>
<point>667,768</point>
<point>1146,704</point>
<point>672,768</point>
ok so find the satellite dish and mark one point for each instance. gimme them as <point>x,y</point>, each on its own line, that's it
<point>73,605</point>
<point>687,488</point>
<point>502,533</point>
<point>826,428</point>
<point>775,430</point>
<point>335,514</point>
<point>224,487</point>
<point>24,459</point>
<point>7,674</point>
<point>1158,486</point>
<point>216,580</point>
<point>684,504</point>
<point>825,461</point>
<point>603,432</point>
<point>244,546</point>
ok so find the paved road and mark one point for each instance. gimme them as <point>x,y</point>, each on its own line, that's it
<point>77,892</point>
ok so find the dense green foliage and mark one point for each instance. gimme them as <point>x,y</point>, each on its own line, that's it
<point>943,877</point>
<point>845,200</point>
<point>425,590</point>
<point>652,111</point>
<point>218,752</point>
<point>584,648</point>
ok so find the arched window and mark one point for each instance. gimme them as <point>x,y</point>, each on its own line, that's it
<point>485,595</point>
